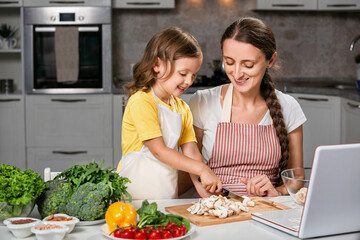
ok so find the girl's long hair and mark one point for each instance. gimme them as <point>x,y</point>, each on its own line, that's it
<point>169,45</point>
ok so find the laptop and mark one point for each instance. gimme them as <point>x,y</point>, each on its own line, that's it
<point>332,204</point>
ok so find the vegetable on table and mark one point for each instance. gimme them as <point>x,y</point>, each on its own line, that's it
<point>18,189</point>
<point>120,214</point>
<point>83,191</point>
<point>150,216</point>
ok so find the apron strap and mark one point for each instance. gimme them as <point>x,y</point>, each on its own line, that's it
<point>226,111</point>
<point>171,97</point>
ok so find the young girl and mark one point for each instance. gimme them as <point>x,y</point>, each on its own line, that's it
<point>248,131</point>
<point>156,121</point>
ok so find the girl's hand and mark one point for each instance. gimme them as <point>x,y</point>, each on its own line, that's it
<point>210,181</point>
<point>260,185</point>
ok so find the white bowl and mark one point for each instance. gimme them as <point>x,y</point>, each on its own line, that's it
<point>50,234</point>
<point>21,230</point>
<point>70,224</point>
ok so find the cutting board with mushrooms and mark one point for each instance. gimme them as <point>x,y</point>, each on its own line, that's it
<point>204,213</point>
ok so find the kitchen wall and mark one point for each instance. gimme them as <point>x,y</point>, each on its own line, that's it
<point>310,44</point>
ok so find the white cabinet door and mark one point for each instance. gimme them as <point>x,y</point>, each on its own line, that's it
<point>288,5</point>
<point>119,103</point>
<point>47,3</point>
<point>350,121</point>
<point>338,5</point>
<point>67,121</point>
<point>323,122</point>
<point>143,4</point>
<point>60,158</point>
<point>12,131</point>
<point>12,3</point>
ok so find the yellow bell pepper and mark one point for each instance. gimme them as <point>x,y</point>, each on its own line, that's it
<point>120,214</point>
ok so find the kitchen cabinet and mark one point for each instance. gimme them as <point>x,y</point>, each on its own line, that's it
<point>12,3</point>
<point>323,122</point>
<point>62,158</point>
<point>48,3</point>
<point>143,4</point>
<point>11,59</point>
<point>308,5</point>
<point>350,124</point>
<point>68,125</point>
<point>12,131</point>
<point>288,5</point>
<point>338,5</point>
<point>119,103</point>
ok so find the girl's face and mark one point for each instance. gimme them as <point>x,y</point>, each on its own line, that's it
<point>245,65</point>
<point>183,76</point>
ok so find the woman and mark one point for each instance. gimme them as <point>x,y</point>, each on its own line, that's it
<point>248,132</point>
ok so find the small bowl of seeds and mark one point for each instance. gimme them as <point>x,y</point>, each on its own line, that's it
<point>48,231</point>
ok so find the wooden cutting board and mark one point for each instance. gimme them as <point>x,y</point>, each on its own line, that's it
<point>261,205</point>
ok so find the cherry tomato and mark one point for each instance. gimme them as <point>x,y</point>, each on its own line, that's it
<point>141,234</point>
<point>177,232</point>
<point>166,234</point>
<point>161,228</point>
<point>117,233</point>
<point>183,228</point>
<point>155,234</point>
<point>170,225</point>
<point>128,234</point>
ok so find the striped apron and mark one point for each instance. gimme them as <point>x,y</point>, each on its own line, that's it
<point>243,150</point>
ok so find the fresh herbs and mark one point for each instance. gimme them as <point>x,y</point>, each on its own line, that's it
<point>150,216</point>
<point>19,187</point>
<point>77,175</point>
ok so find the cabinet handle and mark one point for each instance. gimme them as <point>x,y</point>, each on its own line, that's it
<point>66,2</point>
<point>352,105</point>
<point>123,104</point>
<point>340,5</point>
<point>314,99</point>
<point>10,100</point>
<point>69,152</point>
<point>9,2</point>
<point>67,100</point>
<point>143,3</point>
<point>288,5</point>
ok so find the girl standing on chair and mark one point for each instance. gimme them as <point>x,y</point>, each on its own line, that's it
<point>156,121</point>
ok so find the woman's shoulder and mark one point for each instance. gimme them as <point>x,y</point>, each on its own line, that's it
<point>284,98</point>
<point>207,94</point>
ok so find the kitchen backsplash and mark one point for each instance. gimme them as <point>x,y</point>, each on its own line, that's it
<point>310,44</point>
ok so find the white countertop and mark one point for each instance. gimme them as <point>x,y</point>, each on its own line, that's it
<point>236,230</point>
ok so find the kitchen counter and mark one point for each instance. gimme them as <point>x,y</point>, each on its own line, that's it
<point>237,230</point>
<point>331,87</point>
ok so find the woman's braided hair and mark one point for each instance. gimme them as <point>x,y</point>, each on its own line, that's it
<point>259,34</point>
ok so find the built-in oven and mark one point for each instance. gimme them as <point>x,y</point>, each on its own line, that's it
<point>67,50</point>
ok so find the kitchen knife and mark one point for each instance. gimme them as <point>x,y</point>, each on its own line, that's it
<point>227,193</point>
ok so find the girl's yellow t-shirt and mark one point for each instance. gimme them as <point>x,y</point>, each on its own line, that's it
<point>140,121</point>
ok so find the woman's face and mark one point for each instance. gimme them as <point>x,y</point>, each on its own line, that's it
<point>245,65</point>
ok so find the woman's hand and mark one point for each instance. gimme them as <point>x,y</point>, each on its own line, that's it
<point>260,185</point>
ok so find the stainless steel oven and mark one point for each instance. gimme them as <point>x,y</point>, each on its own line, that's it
<point>76,59</point>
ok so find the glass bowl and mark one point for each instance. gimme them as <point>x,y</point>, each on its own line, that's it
<point>296,181</point>
<point>8,211</point>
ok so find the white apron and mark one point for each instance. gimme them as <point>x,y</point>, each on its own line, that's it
<point>151,178</point>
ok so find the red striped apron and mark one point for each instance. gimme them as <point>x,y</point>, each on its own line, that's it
<point>243,150</point>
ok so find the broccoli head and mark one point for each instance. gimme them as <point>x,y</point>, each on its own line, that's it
<point>89,201</point>
<point>55,198</point>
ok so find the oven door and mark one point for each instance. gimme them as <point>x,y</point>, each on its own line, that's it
<point>93,67</point>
